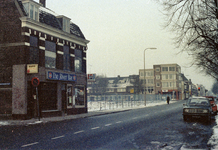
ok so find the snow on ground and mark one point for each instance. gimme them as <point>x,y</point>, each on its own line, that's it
<point>4,123</point>
<point>102,105</point>
<point>213,141</point>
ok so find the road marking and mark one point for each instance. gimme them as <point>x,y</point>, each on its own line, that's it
<point>108,125</point>
<point>58,137</point>
<point>119,121</point>
<point>79,132</point>
<point>135,118</point>
<point>30,144</point>
<point>95,128</point>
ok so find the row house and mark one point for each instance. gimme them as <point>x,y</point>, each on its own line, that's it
<point>114,85</point>
<point>36,42</point>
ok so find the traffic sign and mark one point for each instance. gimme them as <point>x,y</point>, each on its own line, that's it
<point>35,81</point>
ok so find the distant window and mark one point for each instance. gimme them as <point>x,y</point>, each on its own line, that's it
<point>150,81</point>
<point>121,90</point>
<point>171,68</point>
<point>164,68</point>
<point>66,58</point>
<point>172,76</point>
<point>110,90</point>
<point>165,84</point>
<point>34,50</point>
<point>158,84</point>
<point>157,69</point>
<point>50,54</point>
<point>150,73</point>
<point>78,60</point>
<point>66,25</point>
<point>32,11</point>
<point>164,76</point>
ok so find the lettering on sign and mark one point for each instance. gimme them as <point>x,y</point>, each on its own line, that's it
<point>60,76</point>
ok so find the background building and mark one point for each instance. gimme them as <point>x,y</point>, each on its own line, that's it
<point>147,81</point>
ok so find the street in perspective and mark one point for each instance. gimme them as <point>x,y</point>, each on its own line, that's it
<point>159,126</point>
<point>109,75</point>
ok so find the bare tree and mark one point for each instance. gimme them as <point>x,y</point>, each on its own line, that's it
<point>215,88</point>
<point>195,25</point>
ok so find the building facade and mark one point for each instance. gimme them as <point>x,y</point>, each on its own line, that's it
<point>162,79</point>
<point>147,81</point>
<point>37,43</point>
<point>114,85</point>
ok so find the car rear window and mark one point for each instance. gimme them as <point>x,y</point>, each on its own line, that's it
<point>198,102</point>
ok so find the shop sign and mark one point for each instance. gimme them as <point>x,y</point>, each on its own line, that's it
<point>5,83</point>
<point>164,90</point>
<point>60,76</point>
<point>35,81</point>
<point>91,77</point>
<point>32,68</point>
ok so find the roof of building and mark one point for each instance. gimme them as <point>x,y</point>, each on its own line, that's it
<point>48,17</point>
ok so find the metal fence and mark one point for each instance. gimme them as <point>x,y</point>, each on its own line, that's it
<point>107,102</point>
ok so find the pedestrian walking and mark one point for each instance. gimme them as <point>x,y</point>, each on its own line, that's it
<point>168,100</point>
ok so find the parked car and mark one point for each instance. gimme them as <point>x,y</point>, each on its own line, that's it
<point>213,102</point>
<point>197,107</point>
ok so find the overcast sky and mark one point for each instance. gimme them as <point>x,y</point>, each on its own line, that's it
<point>119,31</point>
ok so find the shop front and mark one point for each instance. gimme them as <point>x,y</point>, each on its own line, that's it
<point>175,94</point>
<point>59,93</point>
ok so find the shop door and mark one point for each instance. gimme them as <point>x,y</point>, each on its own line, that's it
<point>69,95</point>
<point>64,101</point>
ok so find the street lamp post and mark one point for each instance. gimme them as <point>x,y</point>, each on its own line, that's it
<point>144,73</point>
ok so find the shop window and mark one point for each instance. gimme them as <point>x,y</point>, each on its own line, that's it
<point>50,54</point>
<point>79,95</point>
<point>66,58</point>
<point>34,50</point>
<point>48,96</point>
<point>78,60</point>
<point>69,96</point>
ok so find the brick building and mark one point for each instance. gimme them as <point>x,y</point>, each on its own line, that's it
<point>35,42</point>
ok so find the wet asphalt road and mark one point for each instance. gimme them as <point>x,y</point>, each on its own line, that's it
<point>159,127</point>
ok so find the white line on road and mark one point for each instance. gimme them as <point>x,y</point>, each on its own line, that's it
<point>30,144</point>
<point>108,125</point>
<point>135,118</point>
<point>58,137</point>
<point>119,121</point>
<point>79,132</point>
<point>95,128</point>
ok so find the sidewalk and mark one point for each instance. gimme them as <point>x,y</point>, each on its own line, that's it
<point>60,118</point>
<point>71,117</point>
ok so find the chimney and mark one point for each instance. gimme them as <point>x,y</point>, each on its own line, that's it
<point>42,2</point>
